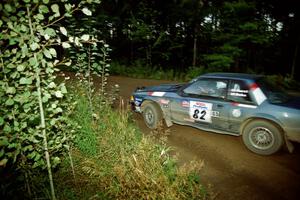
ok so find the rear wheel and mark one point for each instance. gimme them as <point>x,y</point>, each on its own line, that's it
<point>152,115</point>
<point>262,137</point>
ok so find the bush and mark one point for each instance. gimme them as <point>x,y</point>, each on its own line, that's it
<point>127,164</point>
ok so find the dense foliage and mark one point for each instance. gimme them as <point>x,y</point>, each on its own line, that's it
<point>233,35</point>
<point>34,127</point>
<point>114,160</point>
<point>39,37</point>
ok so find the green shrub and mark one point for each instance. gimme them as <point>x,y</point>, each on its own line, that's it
<point>127,164</point>
<point>193,72</point>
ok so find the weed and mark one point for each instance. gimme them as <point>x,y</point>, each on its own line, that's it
<point>124,163</point>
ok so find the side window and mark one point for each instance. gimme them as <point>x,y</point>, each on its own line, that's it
<point>207,87</point>
<point>239,92</point>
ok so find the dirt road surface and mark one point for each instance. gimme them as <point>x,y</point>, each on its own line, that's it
<point>232,170</point>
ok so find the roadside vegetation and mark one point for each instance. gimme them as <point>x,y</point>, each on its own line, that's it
<point>61,140</point>
<point>138,70</point>
<point>114,160</point>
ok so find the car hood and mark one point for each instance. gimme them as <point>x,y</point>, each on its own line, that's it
<point>161,88</point>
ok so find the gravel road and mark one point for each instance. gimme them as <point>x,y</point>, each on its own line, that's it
<point>232,170</point>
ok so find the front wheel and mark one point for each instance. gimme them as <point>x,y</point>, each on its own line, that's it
<point>152,115</point>
<point>262,137</point>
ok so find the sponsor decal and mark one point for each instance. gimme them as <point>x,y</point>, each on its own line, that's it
<point>164,101</point>
<point>138,99</point>
<point>258,94</point>
<point>239,91</point>
<point>156,94</point>
<point>200,111</point>
<point>137,103</point>
<point>199,104</point>
<point>236,112</point>
<point>238,94</point>
<point>185,104</point>
<point>215,113</point>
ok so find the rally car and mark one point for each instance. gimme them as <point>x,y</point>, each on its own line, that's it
<point>229,103</point>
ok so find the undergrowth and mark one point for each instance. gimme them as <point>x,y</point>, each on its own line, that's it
<point>113,160</point>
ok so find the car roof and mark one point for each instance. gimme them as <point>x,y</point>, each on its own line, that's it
<point>231,76</point>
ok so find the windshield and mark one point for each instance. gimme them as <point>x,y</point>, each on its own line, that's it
<point>273,92</point>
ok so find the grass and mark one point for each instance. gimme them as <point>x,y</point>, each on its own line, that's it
<point>114,160</point>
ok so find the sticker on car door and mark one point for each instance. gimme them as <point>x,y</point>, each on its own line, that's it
<point>200,111</point>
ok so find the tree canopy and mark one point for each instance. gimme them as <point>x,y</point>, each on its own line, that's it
<point>233,35</point>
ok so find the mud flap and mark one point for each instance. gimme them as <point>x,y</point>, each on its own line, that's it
<point>289,146</point>
<point>168,122</point>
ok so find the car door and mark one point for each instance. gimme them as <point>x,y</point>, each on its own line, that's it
<point>202,104</point>
<point>242,104</point>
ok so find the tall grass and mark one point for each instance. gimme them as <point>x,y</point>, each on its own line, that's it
<point>114,160</point>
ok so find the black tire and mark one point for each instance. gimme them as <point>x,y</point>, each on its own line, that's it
<point>263,137</point>
<point>152,115</point>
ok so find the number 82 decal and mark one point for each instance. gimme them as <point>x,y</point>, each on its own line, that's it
<point>200,111</point>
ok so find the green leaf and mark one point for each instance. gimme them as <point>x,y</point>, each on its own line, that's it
<point>50,32</point>
<point>52,85</point>
<point>58,110</point>
<point>24,50</point>
<point>47,37</point>
<point>85,37</point>
<point>32,61</point>
<point>8,8</point>
<point>64,89</point>
<point>59,94</point>
<point>40,16</point>
<point>86,11</point>
<point>52,122</point>
<point>52,52</point>
<point>63,30</point>
<point>47,53</point>
<point>11,66</point>
<point>1,23</point>
<point>20,68</point>
<point>23,28</point>
<point>56,160</point>
<point>45,1</point>
<point>9,102</point>
<point>34,46</point>
<point>3,162</point>
<point>66,45</point>
<point>7,129</point>
<point>25,81</point>
<point>68,7</point>
<point>43,9</point>
<point>1,121</point>
<point>55,9</point>
<point>46,97</point>
<point>10,90</point>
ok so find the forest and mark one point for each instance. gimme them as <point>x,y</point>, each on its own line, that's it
<point>236,36</point>
<point>62,137</point>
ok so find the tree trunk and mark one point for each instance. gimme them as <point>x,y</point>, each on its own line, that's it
<point>294,61</point>
<point>195,51</point>
<point>42,114</point>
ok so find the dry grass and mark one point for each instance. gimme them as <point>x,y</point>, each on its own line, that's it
<point>129,165</point>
